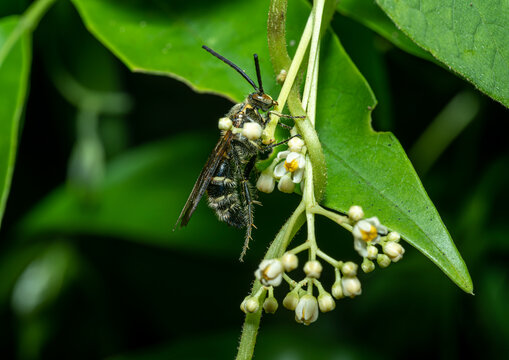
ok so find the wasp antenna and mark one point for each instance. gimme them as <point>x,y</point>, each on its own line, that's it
<point>258,73</point>
<point>239,70</point>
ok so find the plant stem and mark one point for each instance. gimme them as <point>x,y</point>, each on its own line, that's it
<point>27,22</point>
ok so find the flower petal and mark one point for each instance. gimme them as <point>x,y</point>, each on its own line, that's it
<point>282,154</point>
<point>280,170</point>
<point>297,176</point>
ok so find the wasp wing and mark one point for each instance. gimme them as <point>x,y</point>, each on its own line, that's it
<point>204,179</point>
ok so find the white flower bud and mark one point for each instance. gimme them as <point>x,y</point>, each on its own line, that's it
<point>337,290</point>
<point>250,305</point>
<point>290,261</point>
<point>383,260</point>
<point>313,269</point>
<point>306,311</point>
<point>270,272</point>
<point>371,252</point>
<point>355,213</point>
<point>252,130</point>
<point>291,300</point>
<point>225,123</point>
<point>349,268</point>
<point>367,265</point>
<point>286,184</point>
<point>394,250</point>
<point>296,144</point>
<point>281,77</point>
<point>326,302</point>
<point>270,305</point>
<point>351,286</point>
<point>266,182</point>
<point>393,236</point>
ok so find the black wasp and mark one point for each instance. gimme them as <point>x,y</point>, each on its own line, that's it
<point>225,176</point>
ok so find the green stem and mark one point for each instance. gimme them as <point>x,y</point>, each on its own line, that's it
<point>27,22</point>
<point>276,249</point>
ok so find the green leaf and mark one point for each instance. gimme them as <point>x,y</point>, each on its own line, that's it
<point>369,14</point>
<point>470,37</point>
<point>14,74</point>
<point>371,169</point>
<point>365,168</point>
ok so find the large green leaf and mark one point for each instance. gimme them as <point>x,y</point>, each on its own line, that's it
<point>365,168</point>
<point>371,169</point>
<point>369,14</point>
<point>14,73</point>
<point>470,37</point>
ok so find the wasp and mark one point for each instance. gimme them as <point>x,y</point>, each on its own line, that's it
<point>225,176</point>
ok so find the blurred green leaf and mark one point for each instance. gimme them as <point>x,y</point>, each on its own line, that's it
<point>140,199</point>
<point>369,14</point>
<point>14,73</point>
<point>470,37</point>
<point>365,168</point>
<point>371,169</point>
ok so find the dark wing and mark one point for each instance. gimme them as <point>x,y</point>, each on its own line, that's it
<point>204,179</point>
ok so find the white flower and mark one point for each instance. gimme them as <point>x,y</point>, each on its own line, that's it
<point>290,261</point>
<point>266,182</point>
<point>270,272</point>
<point>225,123</point>
<point>367,232</point>
<point>351,286</point>
<point>296,144</point>
<point>286,184</point>
<point>313,269</point>
<point>355,213</point>
<point>394,250</point>
<point>294,165</point>
<point>306,311</point>
<point>252,130</point>
<point>326,302</point>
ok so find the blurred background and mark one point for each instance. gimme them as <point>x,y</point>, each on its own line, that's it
<point>89,266</point>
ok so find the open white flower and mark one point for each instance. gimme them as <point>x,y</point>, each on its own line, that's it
<point>270,272</point>
<point>367,232</point>
<point>294,164</point>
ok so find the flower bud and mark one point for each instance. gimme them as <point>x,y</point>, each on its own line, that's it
<point>368,265</point>
<point>281,77</point>
<point>349,268</point>
<point>326,302</point>
<point>383,260</point>
<point>394,250</point>
<point>252,130</point>
<point>296,144</point>
<point>286,184</point>
<point>291,300</point>
<point>371,252</point>
<point>337,290</point>
<point>351,286</point>
<point>225,123</point>
<point>393,236</point>
<point>270,305</point>
<point>355,213</point>
<point>290,261</point>
<point>306,311</point>
<point>250,305</point>
<point>313,269</point>
<point>270,272</point>
<point>266,182</point>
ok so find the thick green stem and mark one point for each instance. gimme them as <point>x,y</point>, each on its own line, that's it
<point>27,22</point>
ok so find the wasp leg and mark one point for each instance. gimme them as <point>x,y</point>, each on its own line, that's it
<point>271,146</point>
<point>272,112</point>
<point>249,203</point>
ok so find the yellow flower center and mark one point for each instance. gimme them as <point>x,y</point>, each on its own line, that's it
<point>369,235</point>
<point>292,165</point>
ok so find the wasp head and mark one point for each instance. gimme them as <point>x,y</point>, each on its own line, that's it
<point>261,101</point>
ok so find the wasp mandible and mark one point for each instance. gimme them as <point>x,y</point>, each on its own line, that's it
<point>225,176</point>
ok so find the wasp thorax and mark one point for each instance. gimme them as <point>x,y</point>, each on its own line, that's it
<point>261,101</point>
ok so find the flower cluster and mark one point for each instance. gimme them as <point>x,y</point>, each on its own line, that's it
<point>367,233</point>
<point>288,169</point>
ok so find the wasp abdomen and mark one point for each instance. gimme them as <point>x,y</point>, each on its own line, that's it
<point>224,198</point>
